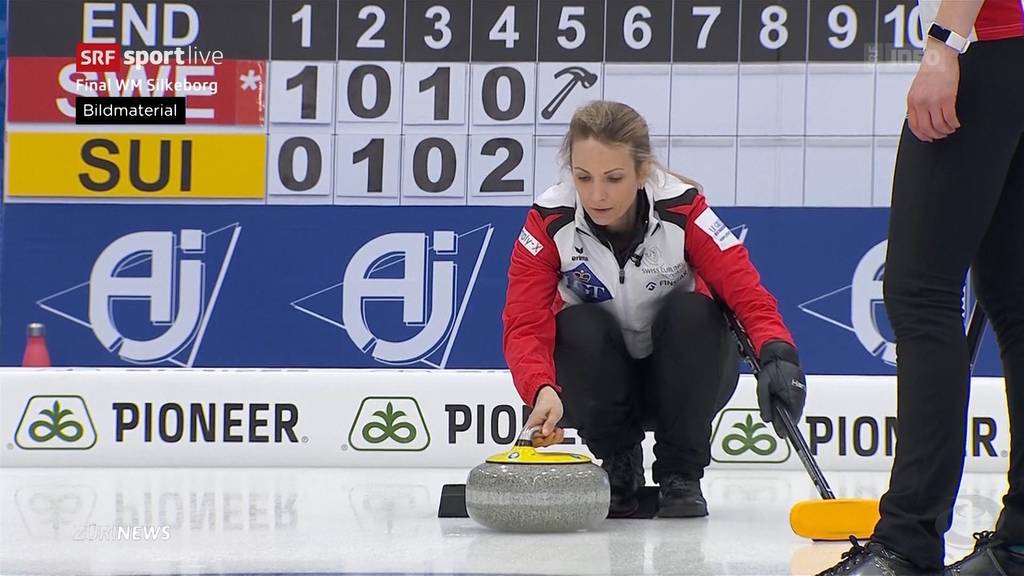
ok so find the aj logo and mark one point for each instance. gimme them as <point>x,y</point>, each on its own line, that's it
<point>404,294</point>
<point>859,307</point>
<point>167,273</point>
<point>868,304</point>
<point>56,423</point>
<point>740,437</point>
<point>389,423</point>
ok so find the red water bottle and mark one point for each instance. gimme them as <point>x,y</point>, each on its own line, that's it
<point>36,354</point>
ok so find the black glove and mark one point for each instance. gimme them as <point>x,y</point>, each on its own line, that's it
<point>781,381</point>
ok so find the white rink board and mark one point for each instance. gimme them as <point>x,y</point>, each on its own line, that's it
<point>448,419</point>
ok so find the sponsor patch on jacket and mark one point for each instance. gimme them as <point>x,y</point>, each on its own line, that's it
<point>586,284</point>
<point>529,242</point>
<point>719,232</point>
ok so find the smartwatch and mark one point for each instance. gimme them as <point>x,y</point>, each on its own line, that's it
<point>948,37</point>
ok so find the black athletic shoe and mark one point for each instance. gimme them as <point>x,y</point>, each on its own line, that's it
<point>681,498</point>
<point>991,556</point>
<point>626,476</point>
<point>874,560</point>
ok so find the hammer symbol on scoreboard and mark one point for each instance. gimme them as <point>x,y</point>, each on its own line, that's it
<point>578,75</point>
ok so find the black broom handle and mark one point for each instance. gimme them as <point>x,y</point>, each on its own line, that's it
<point>975,329</point>
<point>782,414</point>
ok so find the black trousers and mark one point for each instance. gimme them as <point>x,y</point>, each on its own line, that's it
<point>957,203</point>
<point>612,398</point>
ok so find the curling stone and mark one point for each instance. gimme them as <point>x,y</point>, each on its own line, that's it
<point>526,490</point>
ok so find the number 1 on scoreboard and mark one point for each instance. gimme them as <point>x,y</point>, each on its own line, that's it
<point>302,92</point>
<point>434,96</point>
<point>367,168</point>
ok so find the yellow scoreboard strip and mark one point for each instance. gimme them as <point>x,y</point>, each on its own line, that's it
<point>179,166</point>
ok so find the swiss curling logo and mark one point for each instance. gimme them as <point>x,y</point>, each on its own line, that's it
<point>150,294</point>
<point>741,438</point>
<point>403,295</point>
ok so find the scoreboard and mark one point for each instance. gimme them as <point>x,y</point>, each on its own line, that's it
<point>461,102</point>
<point>352,174</point>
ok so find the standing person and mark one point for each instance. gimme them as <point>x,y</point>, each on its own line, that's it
<point>957,203</point>
<point>608,316</point>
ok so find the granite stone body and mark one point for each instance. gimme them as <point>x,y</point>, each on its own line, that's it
<point>538,497</point>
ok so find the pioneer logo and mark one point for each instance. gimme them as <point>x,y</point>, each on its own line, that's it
<point>489,424</point>
<point>740,437</point>
<point>869,436</point>
<point>55,423</point>
<point>253,423</point>
<point>386,423</point>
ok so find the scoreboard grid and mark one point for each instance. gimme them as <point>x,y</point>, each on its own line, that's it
<point>464,102</point>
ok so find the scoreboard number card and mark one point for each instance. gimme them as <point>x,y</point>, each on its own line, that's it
<point>370,92</point>
<point>302,93</point>
<point>504,94</point>
<point>501,169</point>
<point>434,169</point>
<point>300,164</point>
<point>368,169</point>
<point>435,96</point>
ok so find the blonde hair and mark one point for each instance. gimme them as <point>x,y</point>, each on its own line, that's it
<point>614,123</point>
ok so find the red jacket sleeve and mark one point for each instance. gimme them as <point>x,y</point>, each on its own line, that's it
<point>718,258</point>
<point>528,317</point>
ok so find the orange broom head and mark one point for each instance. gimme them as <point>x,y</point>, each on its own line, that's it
<point>834,520</point>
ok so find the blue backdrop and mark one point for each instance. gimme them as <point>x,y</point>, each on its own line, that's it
<point>267,285</point>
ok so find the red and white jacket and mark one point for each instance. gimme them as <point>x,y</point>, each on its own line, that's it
<point>559,261</point>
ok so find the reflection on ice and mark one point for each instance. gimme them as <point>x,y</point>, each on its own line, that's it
<point>230,521</point>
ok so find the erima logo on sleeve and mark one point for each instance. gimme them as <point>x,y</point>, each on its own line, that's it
<point>530,243</point>
<point>709,222</point>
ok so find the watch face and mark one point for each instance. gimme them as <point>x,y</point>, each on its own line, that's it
<point>938,32</point>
